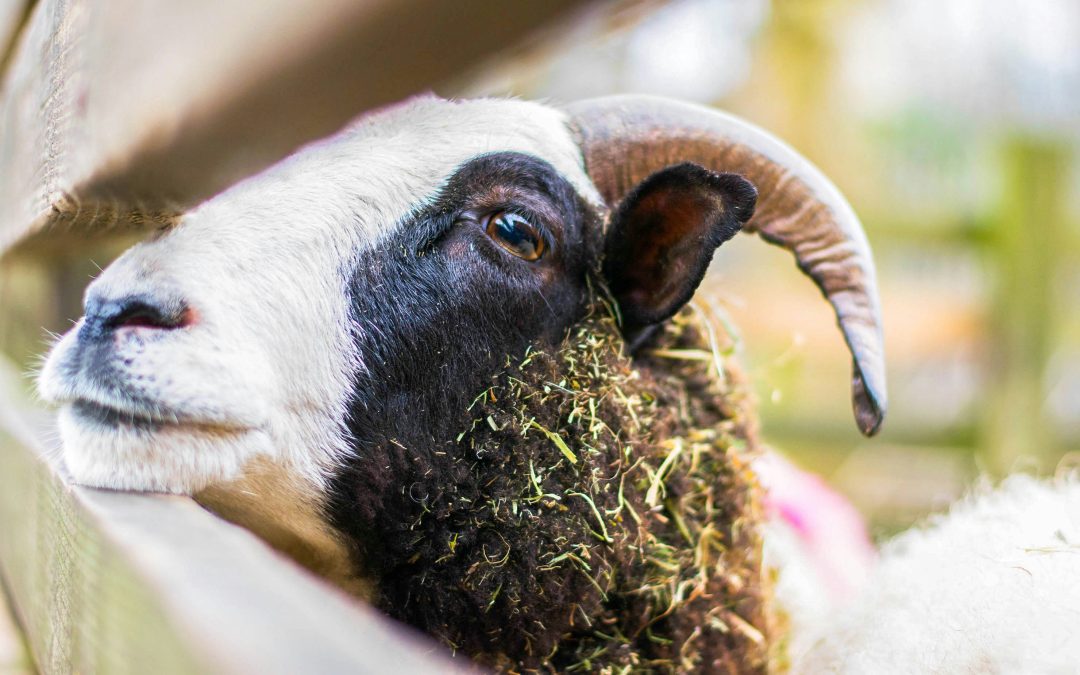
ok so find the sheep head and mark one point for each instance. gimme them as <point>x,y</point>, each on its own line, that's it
<point>357,287</point>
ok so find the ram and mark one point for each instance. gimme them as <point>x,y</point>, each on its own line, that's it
<point>444,359</point>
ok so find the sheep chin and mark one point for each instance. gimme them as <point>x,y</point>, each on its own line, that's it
<point>173,458</point>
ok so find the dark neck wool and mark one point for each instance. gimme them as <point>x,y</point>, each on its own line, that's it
<point>598,514</point>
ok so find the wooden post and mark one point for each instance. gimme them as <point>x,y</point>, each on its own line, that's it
<point>1027,255</point>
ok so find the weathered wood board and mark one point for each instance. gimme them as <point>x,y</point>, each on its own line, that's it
<point>149,106</point>
<point>13,657</point>
<point>11,15</point>
<point>125,583</point>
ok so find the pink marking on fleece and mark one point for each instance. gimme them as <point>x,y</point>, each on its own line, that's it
<point>831,530</point>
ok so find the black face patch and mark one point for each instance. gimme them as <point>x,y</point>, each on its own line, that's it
<point>438,310</point>
<point>440,305</point>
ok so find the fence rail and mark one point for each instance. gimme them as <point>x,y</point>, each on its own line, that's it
<point>131,111</point>
<point>116,582</point>
<point>145,107</point>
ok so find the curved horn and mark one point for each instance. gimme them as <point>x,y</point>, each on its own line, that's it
<point>624,139</point>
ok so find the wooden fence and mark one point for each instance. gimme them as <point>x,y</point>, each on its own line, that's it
<point>115,582</point>
<point>114,115</point>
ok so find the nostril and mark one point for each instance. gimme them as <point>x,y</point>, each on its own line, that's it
<point>140,314</point>
<point>107,316</point>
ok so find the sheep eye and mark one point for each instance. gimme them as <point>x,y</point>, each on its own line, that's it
<point>516,234</point>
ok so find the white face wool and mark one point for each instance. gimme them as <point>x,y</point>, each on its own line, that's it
<point>265,368</point>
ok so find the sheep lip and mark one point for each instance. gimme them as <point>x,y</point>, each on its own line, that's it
<point>104,415</point>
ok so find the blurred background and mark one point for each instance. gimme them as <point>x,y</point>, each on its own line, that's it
<point>951,126</point>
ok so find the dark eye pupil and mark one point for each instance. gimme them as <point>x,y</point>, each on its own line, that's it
<point>513,229</point>
<point>516,234</point>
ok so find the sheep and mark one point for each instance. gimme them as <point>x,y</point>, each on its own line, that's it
<point>425,358</point>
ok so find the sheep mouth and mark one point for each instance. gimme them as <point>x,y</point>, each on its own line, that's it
<point>146,419</point>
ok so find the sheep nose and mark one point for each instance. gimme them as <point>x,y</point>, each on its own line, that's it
<point>104,316</point>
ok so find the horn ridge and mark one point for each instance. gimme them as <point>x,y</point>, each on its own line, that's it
<point>624,139</point>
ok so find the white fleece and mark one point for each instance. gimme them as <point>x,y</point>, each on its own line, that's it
<point>992,587</point>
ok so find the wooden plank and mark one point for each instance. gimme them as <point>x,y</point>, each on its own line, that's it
<point>126,583</point>
<point>150,106</point>
<point>13,657</point>
<point>12,13</point>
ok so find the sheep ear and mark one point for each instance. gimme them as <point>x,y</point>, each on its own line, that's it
<point>662,237</point>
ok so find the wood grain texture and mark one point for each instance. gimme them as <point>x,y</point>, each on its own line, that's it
<point>138,108</point>
<point>127,583</point>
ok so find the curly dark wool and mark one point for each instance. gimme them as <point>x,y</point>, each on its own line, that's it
<point>596,514</point>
